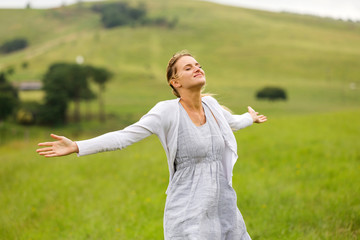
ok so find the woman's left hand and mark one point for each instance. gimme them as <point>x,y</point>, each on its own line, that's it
<point>256,118</point>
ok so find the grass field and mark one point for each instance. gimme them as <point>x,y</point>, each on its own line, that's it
<point>296,178</point>
<point>297,175</point>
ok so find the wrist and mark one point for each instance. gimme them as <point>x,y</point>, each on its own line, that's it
<point>75,147</point>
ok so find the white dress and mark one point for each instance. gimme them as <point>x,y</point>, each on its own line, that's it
<point>200,203</point>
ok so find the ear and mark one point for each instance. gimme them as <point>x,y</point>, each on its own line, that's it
<point>175,83</point>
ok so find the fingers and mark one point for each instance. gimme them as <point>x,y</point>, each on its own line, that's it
<point>56,136</point>
<point>46,153</point>
<point>257,118</point>
<point>44,149</point>
<point>49,154</point>
<point>262,118</point>
<point>49,151</point>
<point>46,144</point>
<point>250,109</point>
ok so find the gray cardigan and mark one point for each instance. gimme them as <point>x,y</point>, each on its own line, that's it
<point>163,120</point>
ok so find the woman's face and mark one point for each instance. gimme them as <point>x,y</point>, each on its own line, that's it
<point>190,74</point>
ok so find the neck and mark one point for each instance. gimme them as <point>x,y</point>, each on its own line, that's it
<point>192,100</point>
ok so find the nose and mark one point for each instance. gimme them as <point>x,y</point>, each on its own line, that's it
<point>197,68</point>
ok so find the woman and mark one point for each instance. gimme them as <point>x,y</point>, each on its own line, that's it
<point>201,150</point>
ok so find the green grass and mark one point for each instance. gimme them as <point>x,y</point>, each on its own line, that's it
<point>297,175</point>
<point>26,96</point>
<point>296,178</point>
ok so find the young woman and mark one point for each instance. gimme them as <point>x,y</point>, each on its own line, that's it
<point>201,150</point>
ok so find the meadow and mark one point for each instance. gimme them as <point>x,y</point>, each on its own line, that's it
<point>296,176</point>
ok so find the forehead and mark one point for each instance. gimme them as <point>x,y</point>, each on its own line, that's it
<point>185,60</point>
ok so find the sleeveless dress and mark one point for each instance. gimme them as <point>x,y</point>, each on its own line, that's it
<point>200,204</point>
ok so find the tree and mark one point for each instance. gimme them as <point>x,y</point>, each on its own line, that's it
<point>88,96</point>
<point>53,112</point>
<point>77,87</point>
<point>100,76</point>
<point>66,82</point>
<point>120,14</point>
<point>8,97</point>
<point>63,82</point>
<point>271,93</point>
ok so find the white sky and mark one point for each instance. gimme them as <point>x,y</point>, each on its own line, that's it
<point>344,9</point>
<point>37,3</point>
<point>339,9</point>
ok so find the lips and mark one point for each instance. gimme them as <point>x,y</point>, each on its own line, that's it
<point>196,75</point>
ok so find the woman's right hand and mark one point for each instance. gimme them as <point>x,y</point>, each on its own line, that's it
<point>63,146</point>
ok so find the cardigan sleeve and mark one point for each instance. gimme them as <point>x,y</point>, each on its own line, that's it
<point>235,122</point>
<point>147,125</point>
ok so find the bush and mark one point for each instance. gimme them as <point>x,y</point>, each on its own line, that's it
<point>8,97</point>
<point>28,113</point>
<point>160,22</point>
<point>271,93</point>
<point>119,14</point>
<point>25,65</point>
<point>14,45</point>
<point>25,117</point>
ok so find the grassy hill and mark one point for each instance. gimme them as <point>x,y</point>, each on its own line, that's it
<point>297,175</point>
<point>241,50</point>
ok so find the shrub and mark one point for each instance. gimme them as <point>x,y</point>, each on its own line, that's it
<point>14,45</point>
<point>119,14</point>
<point>271,93</point>
<point>25,65</point>
<point>8,97</point>
<point>28,113</point>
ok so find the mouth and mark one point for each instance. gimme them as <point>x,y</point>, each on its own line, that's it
<point>198,75</point>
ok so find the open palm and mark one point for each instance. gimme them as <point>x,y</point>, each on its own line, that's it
<point>63,146</point>
<point>256,118</point>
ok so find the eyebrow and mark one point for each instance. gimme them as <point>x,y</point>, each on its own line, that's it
<point>189,65</point>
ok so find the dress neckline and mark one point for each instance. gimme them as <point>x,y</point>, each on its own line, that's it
<point>188,117</point>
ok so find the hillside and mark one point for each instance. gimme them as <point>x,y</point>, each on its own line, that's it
<point>241,50</point>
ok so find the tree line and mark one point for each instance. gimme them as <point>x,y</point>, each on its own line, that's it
<point>122,14</point>
<point>63,83</point>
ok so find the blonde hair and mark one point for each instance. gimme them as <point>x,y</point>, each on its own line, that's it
<point>171,71</point>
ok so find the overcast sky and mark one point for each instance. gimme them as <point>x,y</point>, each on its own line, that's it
<point>344,9</point>
<point>36,3</point>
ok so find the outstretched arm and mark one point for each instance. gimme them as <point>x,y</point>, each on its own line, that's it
<point>63,146</point>
<point>150,123</point>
